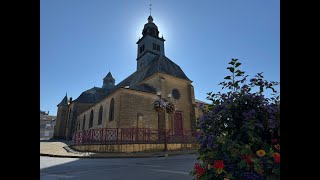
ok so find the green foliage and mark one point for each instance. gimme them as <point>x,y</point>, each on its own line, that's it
<point>239,130</point>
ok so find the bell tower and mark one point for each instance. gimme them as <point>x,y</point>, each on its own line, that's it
<point>150,45</point>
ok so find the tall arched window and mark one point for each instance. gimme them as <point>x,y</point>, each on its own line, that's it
<point>100,115</point>
<point>84,122</point>
<point>69,122</point>
<point>111,110</point>
<point>91,119</point>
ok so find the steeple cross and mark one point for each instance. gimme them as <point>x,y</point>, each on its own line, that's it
<point>150,8</point>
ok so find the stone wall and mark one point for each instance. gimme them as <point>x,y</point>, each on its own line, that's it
<point>137,110</point>
<point>129,148</point>
<point>60,127</point>
<point>184,104</point>
<point>105,103</point>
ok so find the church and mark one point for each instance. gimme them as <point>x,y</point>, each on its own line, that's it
<point>130,103</point>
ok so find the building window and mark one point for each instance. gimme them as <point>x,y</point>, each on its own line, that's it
<point>175,94</point>
<point>91,119</point>
<point>154,46</point>
<point>83,122</point>
<point>100,115</point>
<point>158,47</point>
<point>111,110</point>
<point>70,114</point>
<point>141,49</point>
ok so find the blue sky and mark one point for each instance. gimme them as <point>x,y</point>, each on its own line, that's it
<point>81,40</point>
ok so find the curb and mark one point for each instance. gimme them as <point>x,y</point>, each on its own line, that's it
<point>116,156</point>
<point>91,157</point>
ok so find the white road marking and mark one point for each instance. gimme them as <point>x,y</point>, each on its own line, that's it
<point>56,175</point>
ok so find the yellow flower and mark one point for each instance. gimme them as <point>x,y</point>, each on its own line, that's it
<point>261,153</point>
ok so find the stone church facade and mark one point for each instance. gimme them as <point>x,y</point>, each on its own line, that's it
<point>130,103</point>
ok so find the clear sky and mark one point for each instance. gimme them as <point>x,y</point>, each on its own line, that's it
<point>81,40</point>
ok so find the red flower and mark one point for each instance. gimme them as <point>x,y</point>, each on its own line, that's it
<point>276,157</point>
<point>273,140</point>
<point>200,170</point>
<point>218,164</point>
<point>248,159</point>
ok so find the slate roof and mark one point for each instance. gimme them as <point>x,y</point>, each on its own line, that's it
<point>160,64</point>
<point>64,101</point>
<point>108,76</point>
<point>92,95</point>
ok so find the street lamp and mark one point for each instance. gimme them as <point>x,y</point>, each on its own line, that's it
<point>161,107</point>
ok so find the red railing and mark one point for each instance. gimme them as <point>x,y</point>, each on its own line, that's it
<point>132,135</point>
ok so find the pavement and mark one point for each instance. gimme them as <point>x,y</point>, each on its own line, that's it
<point>59,148</point>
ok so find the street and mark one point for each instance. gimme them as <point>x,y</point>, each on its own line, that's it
<point>172,167</point>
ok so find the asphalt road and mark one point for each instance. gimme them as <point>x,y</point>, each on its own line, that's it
<point>157,168</point>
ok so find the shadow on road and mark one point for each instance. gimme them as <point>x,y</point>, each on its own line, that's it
<point>175,167</point>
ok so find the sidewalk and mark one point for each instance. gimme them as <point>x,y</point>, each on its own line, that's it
<point>61,149</point>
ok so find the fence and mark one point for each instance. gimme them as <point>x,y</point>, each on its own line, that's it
<point>132,135</point>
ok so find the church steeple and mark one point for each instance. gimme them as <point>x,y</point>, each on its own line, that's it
<point>150,28</point>
<point>108,81</point>
<point>149,45</point>
<point>64,101</point>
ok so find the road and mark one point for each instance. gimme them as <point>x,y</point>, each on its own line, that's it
<point>157,168</point>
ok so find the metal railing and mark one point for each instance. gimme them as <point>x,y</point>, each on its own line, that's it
<point>132,135</point>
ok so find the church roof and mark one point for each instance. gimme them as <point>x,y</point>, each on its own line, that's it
<point>92,95</point>
<point>143,88</point>
<point>160,64</point>
<point>64,101</point>
<point>108,76</point>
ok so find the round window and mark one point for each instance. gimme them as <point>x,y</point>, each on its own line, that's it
<point>176,94</point>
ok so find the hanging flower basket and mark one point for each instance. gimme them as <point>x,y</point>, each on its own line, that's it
<point>159,105</point>
<point>170,108</point>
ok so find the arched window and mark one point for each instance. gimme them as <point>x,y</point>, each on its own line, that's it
<point>84,122</point>
<point>68,123</point>
<point>100,115</point>
<point>91,119</point>
<point>111,110</point>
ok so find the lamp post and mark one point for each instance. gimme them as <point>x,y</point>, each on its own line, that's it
<point>164,119</point>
